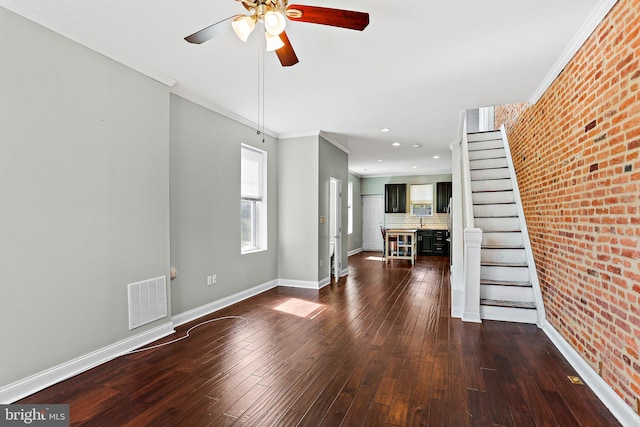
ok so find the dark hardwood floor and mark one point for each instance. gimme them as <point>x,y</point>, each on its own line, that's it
<point>378,348</point>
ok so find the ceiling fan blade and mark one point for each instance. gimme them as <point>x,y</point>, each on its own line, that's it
<point>286,54</point>
<point>210,32</point>
<point>327,16</point>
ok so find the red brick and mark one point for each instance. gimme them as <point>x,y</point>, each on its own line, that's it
<point>570,151</point>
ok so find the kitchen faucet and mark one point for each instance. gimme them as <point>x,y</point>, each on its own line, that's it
<point>420,222</point>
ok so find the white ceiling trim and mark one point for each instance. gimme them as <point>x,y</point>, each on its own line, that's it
<point>183,93</point>
<point>334,142</point>
<point>582,35</point>
<point>86,42</point>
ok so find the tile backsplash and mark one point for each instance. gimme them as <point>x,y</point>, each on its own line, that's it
<point>437,220</point>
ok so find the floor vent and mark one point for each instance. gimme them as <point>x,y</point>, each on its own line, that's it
<point>147,301</point>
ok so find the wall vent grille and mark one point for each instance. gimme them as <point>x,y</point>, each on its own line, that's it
<point>147,301</point>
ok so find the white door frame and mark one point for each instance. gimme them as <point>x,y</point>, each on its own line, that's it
<point>379,223</point>
<point>335,224</point>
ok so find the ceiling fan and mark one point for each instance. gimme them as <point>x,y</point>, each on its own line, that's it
<point>274,14</point>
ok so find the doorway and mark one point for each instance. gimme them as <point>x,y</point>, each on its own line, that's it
<point>372,220</point>
<point>335,227</point>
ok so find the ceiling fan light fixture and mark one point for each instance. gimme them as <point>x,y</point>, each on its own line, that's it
<point>243,26</point>
<point>274,22</point>
<point>273,42</point>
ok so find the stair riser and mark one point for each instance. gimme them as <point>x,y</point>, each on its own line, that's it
<point>497,224</point>
<point>507,314</point>
<point>492,185</point>
<point>488,163</point>
<point>505,274</point>
<point>485,145</point>
<point>499,210</point>
<point>490,198</point>
<point>507,293</point>
<point>513,256</point>
<point>499,173</point>
<point>484,136</point>
<point>502,239</point>
<point>493,153</point>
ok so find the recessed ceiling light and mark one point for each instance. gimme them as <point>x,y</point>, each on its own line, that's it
<point>414,167</point>
<point>385,130</point>
<point>396,144</point>
<point>380,160</point>
<point>417,146</point>
<point>436,157</point>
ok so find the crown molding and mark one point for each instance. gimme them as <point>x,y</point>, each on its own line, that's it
<point>601,10</point>
<point>86,42</point>
<point>190,96</point>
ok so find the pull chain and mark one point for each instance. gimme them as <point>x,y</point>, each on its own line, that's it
<point>260,130</point>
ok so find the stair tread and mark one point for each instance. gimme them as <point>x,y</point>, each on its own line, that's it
<point>505,283</point>
<point>513,304</point>
<point>503,264</point>
<point>502,247</point>
<point>496,216</point>
<point>487,158</point>
<point>490,191</point>
<point>484,149</point>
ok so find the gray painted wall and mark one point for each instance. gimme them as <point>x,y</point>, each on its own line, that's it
<point>205,207</point>
<point>84,179</point>
<point>333,163</point>
<point>355,239</point>
<point>298,172</point>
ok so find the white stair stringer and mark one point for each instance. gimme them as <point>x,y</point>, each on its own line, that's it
<point>509,290</point>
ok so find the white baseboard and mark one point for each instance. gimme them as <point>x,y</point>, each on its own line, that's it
<point>457,303</point>
<point>34,383</point>
<point>623,412</point>
<point>203,310</point>
<point>301,284</point>
<point>353,252</point>
<point>324,282</point>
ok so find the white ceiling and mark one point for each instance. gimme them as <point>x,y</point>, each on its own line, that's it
<point>413,69</point>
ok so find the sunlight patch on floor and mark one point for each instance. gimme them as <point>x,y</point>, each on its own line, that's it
<point>375,258</point>
<point>298,307</point>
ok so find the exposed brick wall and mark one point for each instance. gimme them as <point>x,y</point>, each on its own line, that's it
<point>577,157</point>
<point>508,114</point>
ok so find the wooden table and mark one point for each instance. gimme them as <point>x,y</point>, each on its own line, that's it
<point>405,244</point>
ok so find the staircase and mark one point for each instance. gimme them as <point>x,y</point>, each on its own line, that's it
<point>506,290</point>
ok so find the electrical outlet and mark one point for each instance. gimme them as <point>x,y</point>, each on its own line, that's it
<point>214,279</point>
<point>209,280</point>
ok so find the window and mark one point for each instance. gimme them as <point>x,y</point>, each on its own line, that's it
<point>422,199</point>
<point>350,208</point>
<point>253,206</point>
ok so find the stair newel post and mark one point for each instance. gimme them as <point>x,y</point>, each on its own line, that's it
<point>472,248</point>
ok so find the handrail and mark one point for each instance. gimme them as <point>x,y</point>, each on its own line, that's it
<point>469,254</point>
<point>466,180</point>
<point>472,240</point>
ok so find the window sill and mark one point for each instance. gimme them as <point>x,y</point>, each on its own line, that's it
<point>253,251</point>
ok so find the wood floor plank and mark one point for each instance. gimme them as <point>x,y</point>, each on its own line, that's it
<point>377,348</point>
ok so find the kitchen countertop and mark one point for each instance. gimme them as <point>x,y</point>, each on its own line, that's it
<point>434,227</point>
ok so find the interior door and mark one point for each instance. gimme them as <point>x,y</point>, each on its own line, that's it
<point>372,220</point>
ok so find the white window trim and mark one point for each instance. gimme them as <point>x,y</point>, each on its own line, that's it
<point>260,205</point>
<point>349,207</point>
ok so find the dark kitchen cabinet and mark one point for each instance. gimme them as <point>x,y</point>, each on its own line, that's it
<point>443,194</point>
<point>425,242</point>
<point>433,242</point>
<point>395,198</point>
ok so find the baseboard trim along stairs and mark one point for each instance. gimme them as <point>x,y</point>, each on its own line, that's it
<point>507,274</point>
